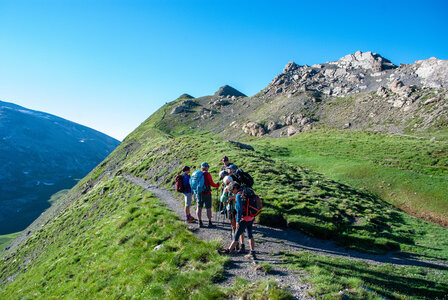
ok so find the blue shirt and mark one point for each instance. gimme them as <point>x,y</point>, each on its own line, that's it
<point>239,209</point>
<point>186,183</point>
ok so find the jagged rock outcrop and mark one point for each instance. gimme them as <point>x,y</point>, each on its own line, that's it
<point>183,106</point>
<point>254,129</point>
<point>354,73</point>
<point>227,91</point>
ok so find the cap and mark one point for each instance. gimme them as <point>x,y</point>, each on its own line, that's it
<point>185,169</point>
<point>204,165</point>
<point>225,158</point>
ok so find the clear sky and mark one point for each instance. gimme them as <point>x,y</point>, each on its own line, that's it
<point>110,64</point>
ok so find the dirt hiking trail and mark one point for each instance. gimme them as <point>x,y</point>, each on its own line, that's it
<point>269,243</point>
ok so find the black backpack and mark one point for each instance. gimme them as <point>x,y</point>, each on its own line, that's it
<point>244,178</point>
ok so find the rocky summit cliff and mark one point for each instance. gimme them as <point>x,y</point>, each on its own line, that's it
<point>355,73</point>
<point>359,91</point>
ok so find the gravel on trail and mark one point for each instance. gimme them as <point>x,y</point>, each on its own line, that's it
<point>269,243</point>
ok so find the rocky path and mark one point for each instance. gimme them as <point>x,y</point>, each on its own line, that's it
<point>269,242</point>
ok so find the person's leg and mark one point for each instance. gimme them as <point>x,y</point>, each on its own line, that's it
<point>199,210</point>
<point>250,236</point>
<point>208,207</point>
<point>238,233</point>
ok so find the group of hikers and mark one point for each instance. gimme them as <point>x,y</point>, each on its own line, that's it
<point>237,202</point>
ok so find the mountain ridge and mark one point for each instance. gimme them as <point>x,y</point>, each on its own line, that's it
<point>41,154</point>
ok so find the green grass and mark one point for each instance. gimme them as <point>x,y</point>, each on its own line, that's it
<point>410,173</point>
<point>340,278</point>
<point>55,197</point>
<point>5,239</point>
<point>102,246</point>
<point>297,197</point>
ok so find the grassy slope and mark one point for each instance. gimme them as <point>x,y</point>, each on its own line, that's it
<point>5,239</point>
<point>335,278</point>
<point>103,246</point>
<point>412,174</point>
<point>96,246</point>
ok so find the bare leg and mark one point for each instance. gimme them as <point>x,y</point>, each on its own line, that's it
<point>209,214</point>
<point>252,244</point>
<point>199,213</point>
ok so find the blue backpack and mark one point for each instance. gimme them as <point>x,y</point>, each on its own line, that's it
<point>197,182</point>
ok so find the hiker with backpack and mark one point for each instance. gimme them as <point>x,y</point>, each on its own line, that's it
<point>182,184</point>
<point>226,162</point>
<point>201,182</point>
<point>238,175</point>
<point>247,206</point>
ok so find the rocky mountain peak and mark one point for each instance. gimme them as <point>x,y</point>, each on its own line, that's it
<point>432,71</point>
<point>185,96</point>
<point>227,91</point>
<point>355,73</point>
<point>364,60</point>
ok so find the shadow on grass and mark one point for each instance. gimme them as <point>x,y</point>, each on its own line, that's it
<point>382,279</point>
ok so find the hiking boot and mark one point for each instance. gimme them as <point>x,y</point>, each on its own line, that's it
<point>224,252</point>
<point>242,249</point>
<point>190,220</point>
<point>237,247</point>
<point>251,255</point>
<point>201,224</point>
<point>210,224</point>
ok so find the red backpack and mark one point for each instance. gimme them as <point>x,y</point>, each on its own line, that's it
<point>251,203</point>
<point>179,183</point>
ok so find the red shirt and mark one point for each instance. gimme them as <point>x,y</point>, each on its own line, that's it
<point>208,181</point>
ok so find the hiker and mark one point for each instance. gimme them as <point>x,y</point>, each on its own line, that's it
<point>188,194</point>
<point>243,223</point>
<point>238,175</point>
<point>205,197</point>
<point>228,199</point>
<point>231,169</point>
<point>226,162</point>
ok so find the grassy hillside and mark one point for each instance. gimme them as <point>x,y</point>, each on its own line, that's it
<point>6,238</point>
<point>410,173</point>
<point>104,245</point>
<point>103,241</point>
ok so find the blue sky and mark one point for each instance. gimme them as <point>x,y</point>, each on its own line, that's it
<point>110,64</point>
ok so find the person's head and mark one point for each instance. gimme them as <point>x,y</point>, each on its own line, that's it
<point>205,166</point>
<point>223,174</point>
<point>234,187</point>
<point>231,169</point>
<point>186,169</point>
<point>227,180</point>
<point>225,160</point>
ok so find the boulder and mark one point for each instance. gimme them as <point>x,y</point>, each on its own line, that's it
<point>291,66</point>
<point>292,130</point>
<point>254,129</point>
<point>381,91</point>
<point>241,145</point>
<point>272,126</point>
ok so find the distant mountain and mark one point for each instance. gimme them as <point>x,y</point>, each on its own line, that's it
<point>41,154</point>
<point>361,91</point>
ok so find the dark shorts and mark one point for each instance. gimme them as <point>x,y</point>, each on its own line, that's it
<point>244,225</point>
<point>205,200</point>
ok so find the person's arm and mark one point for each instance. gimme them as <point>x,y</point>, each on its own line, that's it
<point>210,180</point>
<point>238,208</point>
